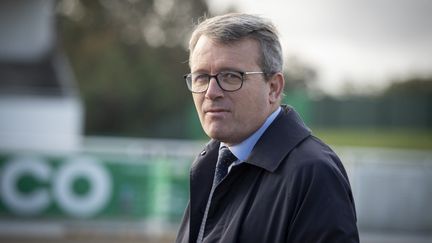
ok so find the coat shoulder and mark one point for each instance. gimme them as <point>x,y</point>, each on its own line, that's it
<point>313,155</point>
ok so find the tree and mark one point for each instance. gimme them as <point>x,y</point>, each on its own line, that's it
<point>299,75</point>
<point>129,58</point>
<point>411,86</point>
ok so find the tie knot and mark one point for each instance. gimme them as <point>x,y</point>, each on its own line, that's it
<point>225,156</point>
<point>225,159</point>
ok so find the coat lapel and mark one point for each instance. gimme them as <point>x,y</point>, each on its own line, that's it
<point>201,180</point>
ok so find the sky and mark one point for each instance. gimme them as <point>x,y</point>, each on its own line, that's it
<point>361,44</point>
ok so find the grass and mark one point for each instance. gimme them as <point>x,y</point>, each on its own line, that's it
<point>389,138</point>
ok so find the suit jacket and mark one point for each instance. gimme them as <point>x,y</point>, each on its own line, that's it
<point>292,188</point>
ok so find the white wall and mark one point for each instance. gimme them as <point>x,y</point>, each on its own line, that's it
<point>40,123</point>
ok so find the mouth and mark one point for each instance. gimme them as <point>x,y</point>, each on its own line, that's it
<point>215,111</point>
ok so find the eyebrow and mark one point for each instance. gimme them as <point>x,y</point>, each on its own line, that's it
<point>225,69</point>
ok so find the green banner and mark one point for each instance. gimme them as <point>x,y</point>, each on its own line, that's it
<point>93,186</point>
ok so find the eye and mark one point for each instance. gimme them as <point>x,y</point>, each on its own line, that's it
<point>200,78</point>
<point>231,77</point>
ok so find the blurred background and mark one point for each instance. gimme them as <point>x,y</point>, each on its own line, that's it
<point>98,129</point>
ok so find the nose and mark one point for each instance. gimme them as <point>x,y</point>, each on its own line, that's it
<point>213,90</point>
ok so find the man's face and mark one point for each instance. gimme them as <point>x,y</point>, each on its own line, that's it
<point>231,117</point>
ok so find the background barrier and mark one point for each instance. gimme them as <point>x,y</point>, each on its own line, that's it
<point>139,186</point>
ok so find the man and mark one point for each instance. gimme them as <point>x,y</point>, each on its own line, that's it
<point>263,177</point>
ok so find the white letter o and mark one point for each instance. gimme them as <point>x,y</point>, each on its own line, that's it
<point>94,200</point>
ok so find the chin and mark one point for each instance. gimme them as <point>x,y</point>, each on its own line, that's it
<point>217,135</point>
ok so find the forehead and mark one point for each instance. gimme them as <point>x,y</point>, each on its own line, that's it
<point>211,55</point>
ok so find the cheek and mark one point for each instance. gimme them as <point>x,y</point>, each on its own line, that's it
<point>256,99</point>
<point>198,104</point>
<point>244,111</point>
<point>254,106</point>
<point>197,100</point>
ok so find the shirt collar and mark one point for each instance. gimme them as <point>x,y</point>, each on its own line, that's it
<point>243,149</point>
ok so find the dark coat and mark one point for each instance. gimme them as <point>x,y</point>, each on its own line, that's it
<point>292,188</point>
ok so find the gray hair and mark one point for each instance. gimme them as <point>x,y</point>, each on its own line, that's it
<point>234,27</point>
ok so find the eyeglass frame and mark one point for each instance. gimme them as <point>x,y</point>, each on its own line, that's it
<point>242,74</point>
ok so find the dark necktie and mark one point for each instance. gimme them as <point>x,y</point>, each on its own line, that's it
<point>225,159</point>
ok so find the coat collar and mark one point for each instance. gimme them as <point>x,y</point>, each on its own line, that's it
<point>283,135</point>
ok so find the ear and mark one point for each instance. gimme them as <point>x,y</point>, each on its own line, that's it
<point>276,84</point>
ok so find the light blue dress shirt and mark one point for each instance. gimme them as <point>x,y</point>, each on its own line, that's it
<point>243,149</point>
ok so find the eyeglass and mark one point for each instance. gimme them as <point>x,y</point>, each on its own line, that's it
<point>228,81</point>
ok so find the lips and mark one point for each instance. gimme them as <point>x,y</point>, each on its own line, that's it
<point>216,113</point>
<point>215,110</point>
